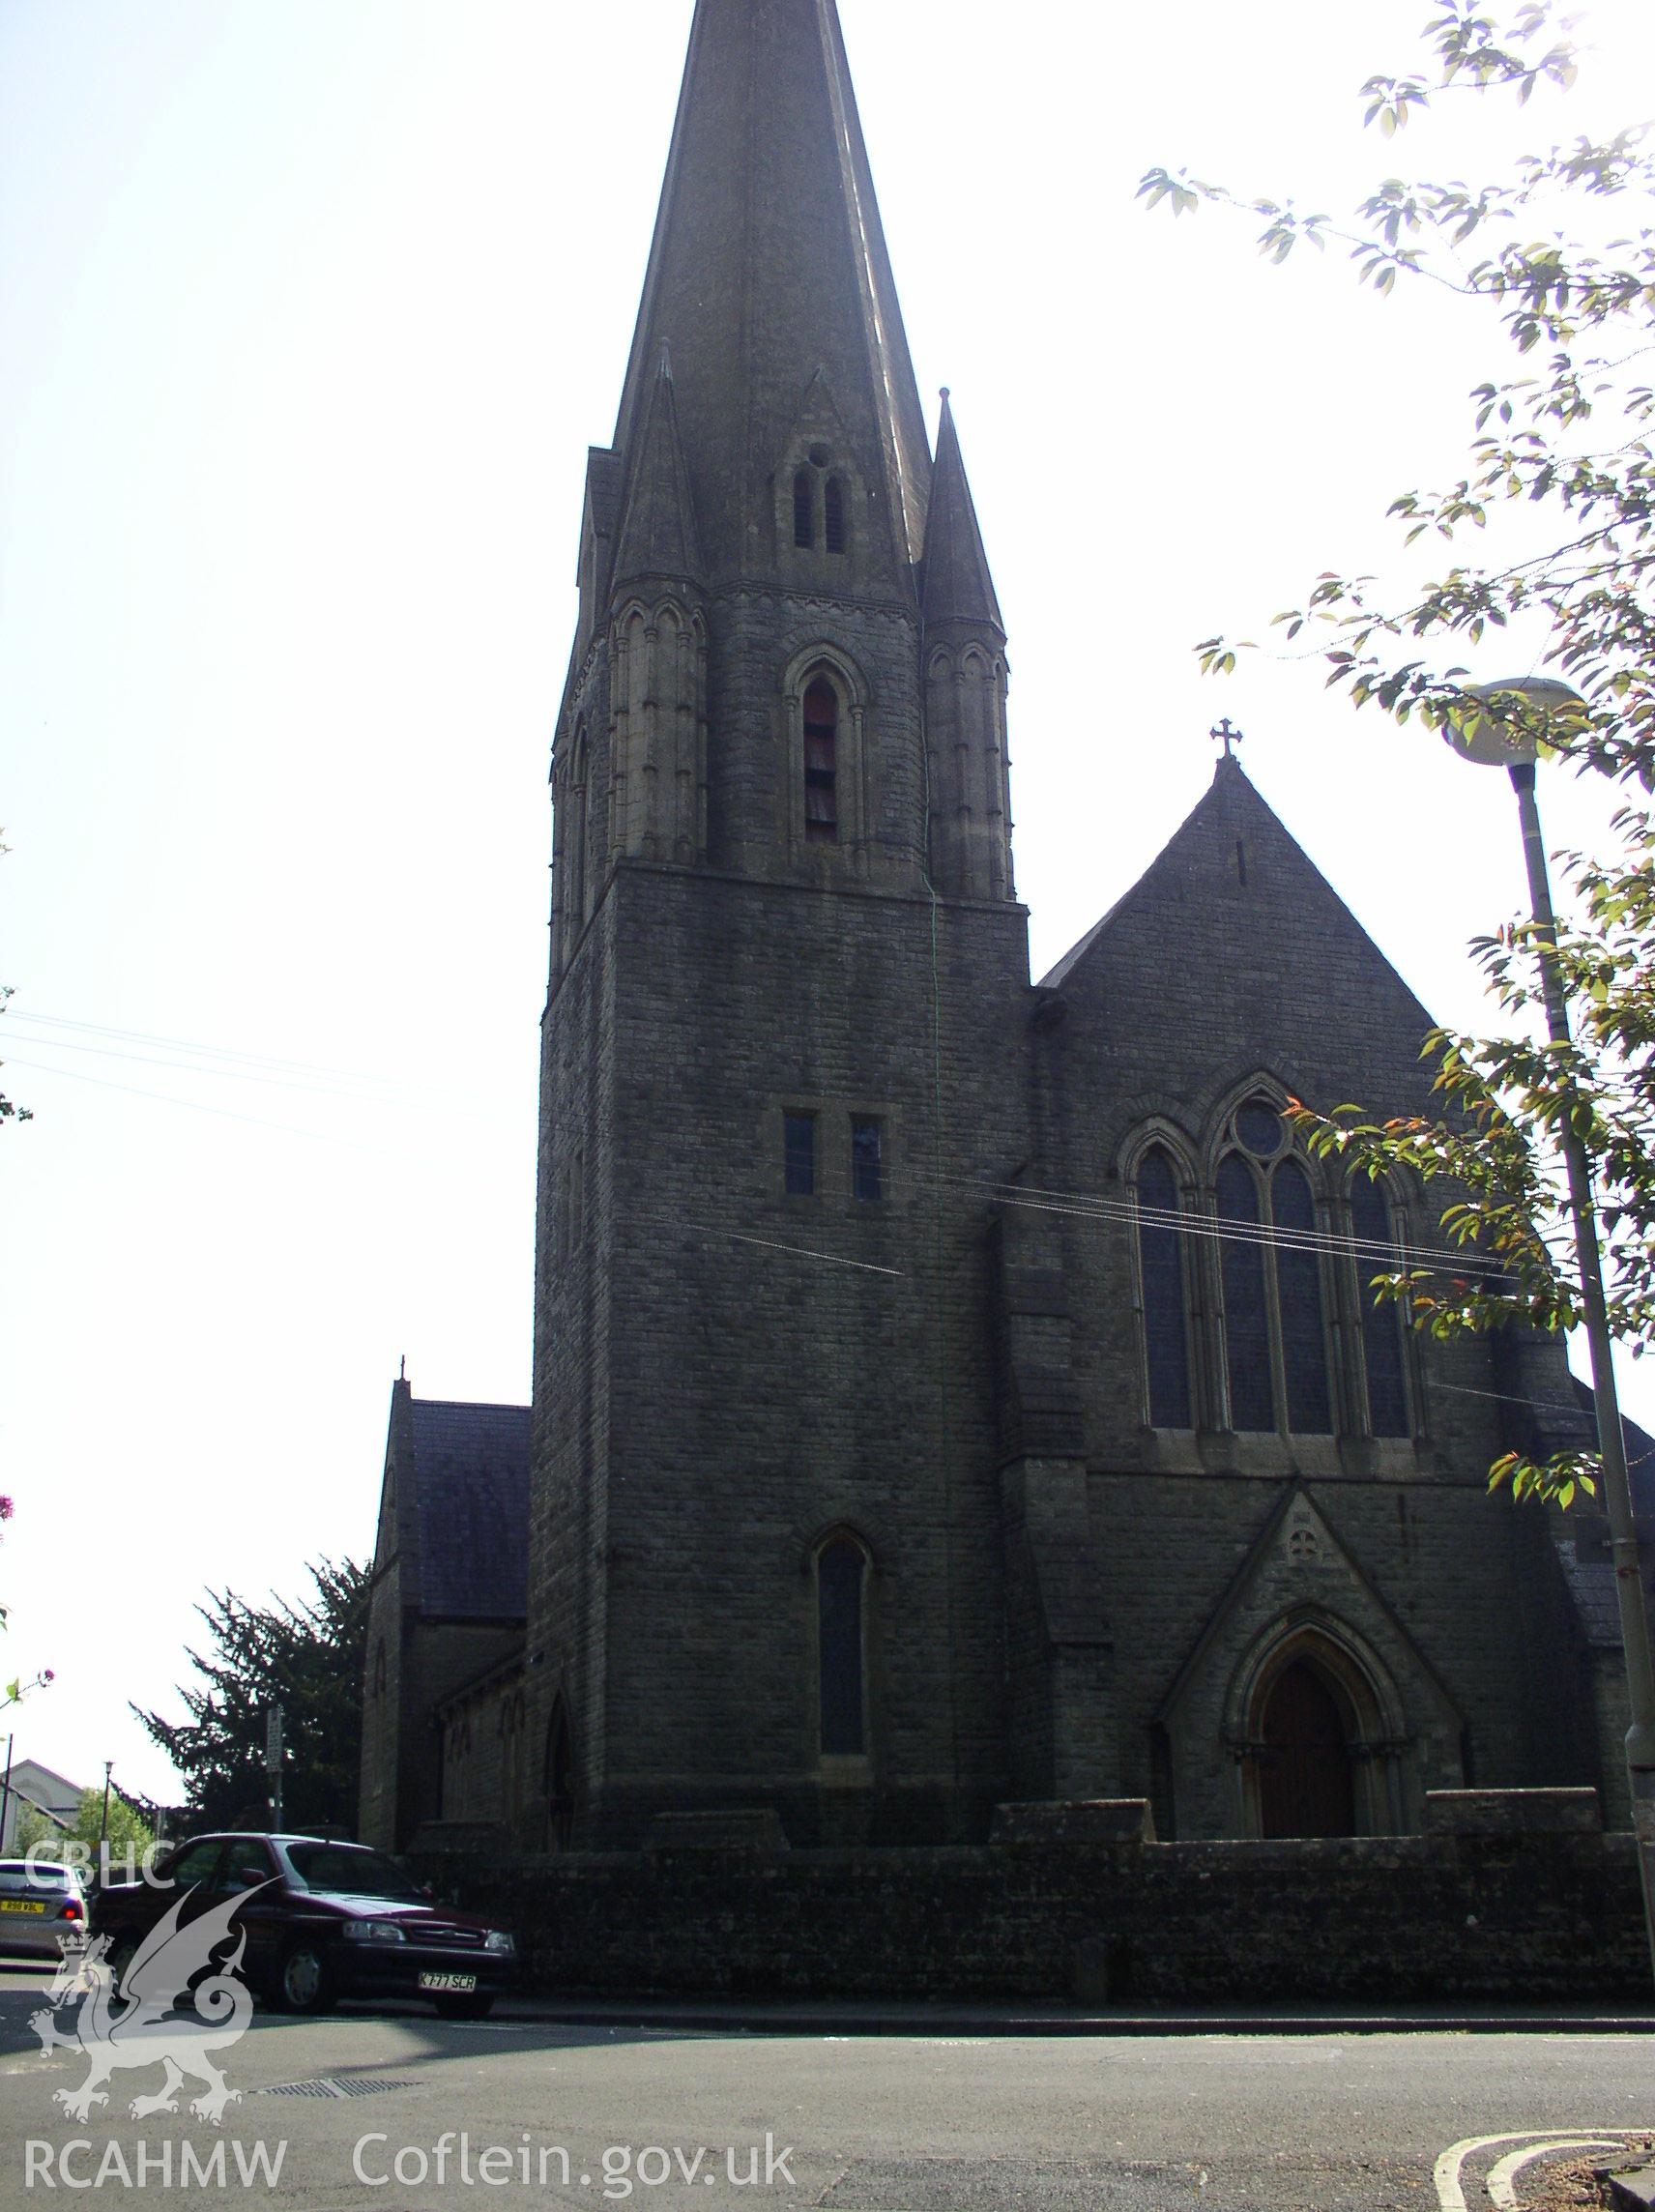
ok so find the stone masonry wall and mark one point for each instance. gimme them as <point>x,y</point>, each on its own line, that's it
<point>1488,1919</point>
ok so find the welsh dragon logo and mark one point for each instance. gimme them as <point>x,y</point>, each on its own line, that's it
<point>142,2022</point>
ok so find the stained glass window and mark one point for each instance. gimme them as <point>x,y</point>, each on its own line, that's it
<point>1381,1325</point>
<point>1246,1319</point>
<point>1298,1293</point>
<point>1166,1338</point>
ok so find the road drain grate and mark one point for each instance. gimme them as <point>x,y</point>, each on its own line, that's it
<point>358,2086</point>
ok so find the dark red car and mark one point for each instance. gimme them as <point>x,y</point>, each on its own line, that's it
<point>323,1920</point>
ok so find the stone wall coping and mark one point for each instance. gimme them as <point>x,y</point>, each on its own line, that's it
<point>1513,1811</point>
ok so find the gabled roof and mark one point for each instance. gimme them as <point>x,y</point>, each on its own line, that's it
<point>1232,811</point>
<point>457,1483</point>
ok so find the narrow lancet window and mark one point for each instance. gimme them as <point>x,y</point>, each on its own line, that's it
<point>821,762</point>
<point>799,1142</point>
<point>841,1571</point>
<point>1160,1253</point>
<point>867,1161</point>
<point>1298,1293</point>
<point>835,513</point>
<point>1246,1316</point>
<point>804,510</point>
<point>1381,1325</point>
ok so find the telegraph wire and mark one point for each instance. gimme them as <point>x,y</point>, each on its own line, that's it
<point>1126,1213</point>
<point>189,1105</point>
<point>24,1016</point>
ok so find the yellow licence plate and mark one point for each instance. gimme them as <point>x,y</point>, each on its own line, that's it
<point>21,1905</point>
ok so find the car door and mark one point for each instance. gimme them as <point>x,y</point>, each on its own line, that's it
<point>246,1867</point>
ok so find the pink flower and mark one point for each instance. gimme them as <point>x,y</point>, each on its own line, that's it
<point>5,1509</point>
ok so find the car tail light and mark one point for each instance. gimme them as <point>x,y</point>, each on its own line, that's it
<point>70,1913</point>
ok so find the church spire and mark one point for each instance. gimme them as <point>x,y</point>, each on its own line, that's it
<point>770,281</point>
<point>957,586</point>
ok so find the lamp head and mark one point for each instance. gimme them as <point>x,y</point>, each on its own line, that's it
<point>1480,737</point>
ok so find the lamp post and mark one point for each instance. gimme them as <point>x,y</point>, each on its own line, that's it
<point>1494,744</point>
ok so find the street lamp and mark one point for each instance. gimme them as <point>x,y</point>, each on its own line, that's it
<point>1494,743</point>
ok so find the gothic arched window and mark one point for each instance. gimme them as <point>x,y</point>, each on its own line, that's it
<point>1275,1337</point>
<point>1161,1264</point>
<point>1246,1313</point>
<point>841,1584</point>
<point>1298,1297</point>
<point>821,762</point>
<point>804,510</point>
<point>1381,1325</point>
<point>833,498</point>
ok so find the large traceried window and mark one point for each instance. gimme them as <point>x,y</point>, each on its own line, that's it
<point>1377,1254</point>
<point>1275,1336</point>
<point>1161,1267</point>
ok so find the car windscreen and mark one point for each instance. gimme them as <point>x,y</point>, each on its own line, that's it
<point>18,1874</point>
<point>344,1872</point>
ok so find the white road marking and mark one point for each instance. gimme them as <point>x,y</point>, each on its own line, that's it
<point>1450,2167</point>
<point>1502,2193</point>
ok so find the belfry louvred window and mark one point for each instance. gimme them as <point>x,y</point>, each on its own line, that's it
<point>804,510</point>
<point>821,762</point>
<point>833,498</point>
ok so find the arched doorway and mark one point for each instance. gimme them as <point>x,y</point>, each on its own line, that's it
<point>1307,1776</point>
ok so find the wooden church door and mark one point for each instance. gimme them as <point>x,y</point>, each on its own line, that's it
<point>1307,1779</point>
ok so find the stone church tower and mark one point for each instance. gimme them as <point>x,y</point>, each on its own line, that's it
<point>789,979</point>
<point>949,1390</point>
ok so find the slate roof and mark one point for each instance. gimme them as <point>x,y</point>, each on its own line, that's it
<point>471,1497</point>
<point>1582,1546</point>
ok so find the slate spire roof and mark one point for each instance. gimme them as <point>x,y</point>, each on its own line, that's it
<point>957,584</point>
<point>768,264</point>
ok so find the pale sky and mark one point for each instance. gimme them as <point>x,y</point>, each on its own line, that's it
<point>308,312</point>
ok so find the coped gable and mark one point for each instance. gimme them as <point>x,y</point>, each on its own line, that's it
<point>1232,951</point>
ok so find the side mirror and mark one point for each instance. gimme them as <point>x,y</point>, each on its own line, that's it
<point>428,1891</point>
<point>249,1878</point>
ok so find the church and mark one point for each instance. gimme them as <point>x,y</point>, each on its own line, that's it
<point>951,1389</point>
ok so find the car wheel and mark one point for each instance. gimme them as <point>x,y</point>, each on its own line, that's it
<point>464,2008</point>
<point>121,1954</point>
<point>305,1985</point>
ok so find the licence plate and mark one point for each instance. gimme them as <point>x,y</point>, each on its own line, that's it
<point>21,1905</point>
<point>450,1985</point>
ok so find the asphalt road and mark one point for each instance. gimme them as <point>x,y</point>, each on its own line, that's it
<point>912,2123</point>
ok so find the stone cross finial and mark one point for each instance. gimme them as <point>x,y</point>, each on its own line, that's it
<point>1229,737</point>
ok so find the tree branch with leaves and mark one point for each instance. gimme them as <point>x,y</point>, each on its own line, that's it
<point>1559,451</point>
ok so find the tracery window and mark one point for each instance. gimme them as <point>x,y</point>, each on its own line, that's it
<point>1275,1337</point>
<point>1382,1359</point>
<point>1161,1267</point>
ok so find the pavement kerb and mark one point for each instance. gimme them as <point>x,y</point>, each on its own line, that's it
<point>880,2020</point>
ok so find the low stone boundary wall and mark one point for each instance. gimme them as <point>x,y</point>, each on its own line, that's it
<point>1497,1917</point>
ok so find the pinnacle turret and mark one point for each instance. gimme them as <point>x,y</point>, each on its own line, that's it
<point>658,536</point>
<point>957,586</point>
